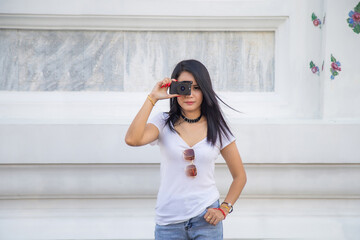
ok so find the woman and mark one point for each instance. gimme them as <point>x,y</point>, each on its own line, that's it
<point>191,136</point>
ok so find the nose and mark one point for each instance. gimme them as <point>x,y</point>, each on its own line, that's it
<point>191,94</point>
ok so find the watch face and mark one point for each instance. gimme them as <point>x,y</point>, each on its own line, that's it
<point>231,209</point>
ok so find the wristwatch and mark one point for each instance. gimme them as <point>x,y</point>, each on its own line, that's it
<point>229,206</point>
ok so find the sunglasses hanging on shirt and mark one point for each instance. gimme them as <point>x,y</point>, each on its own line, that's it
<point>189,155</point>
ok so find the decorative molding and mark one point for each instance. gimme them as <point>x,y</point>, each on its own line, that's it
<point>120,218</point>
<point>140,23</point>
<point>141,181</point>
<point>103,143</point>
<point>88,107</point>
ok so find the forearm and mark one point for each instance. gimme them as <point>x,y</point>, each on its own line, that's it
<point>136,130</point>
<point>235,189</point>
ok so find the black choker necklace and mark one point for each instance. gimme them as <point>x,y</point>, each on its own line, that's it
<point>191,120</point>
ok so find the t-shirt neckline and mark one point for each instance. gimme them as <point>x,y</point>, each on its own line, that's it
<point>177,134</point>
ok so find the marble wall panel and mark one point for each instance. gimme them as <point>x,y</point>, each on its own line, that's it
<point>9,61</point>
<point>131,60</point>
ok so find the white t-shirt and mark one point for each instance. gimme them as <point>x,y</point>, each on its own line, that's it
<point>181,197</point>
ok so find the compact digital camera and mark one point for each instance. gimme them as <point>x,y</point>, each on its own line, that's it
<point>181,88</point>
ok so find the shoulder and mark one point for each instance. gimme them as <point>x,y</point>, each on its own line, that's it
<point>163,116</point>
<point>159,119</point>
<point>226,138</point>
<point>160,115</point>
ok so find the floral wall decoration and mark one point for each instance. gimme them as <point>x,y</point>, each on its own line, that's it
<point>354,19</point>
<point>335,67</point>
<point>314,68</point>
<point>316,21</point>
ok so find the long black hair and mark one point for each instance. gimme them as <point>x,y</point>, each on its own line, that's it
<point>217,126</point>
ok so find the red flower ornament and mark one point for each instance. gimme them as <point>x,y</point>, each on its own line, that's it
<point>335,67</point>
<point>354,19</point>
<point>314,68</point>
<point>316,21</point>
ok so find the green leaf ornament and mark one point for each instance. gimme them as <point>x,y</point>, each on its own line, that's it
<point>357,8</point>
<point>357,28</point>
<point>313,17</point>
<point>332,58</point>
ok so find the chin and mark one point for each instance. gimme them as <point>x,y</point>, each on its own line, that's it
<point>190,108</point>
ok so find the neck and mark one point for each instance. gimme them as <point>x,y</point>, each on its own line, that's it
<point>189,120</point>
<point>192,115</point>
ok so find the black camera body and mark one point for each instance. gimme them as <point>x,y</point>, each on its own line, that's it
<point>181,88</point>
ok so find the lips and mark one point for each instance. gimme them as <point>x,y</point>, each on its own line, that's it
<point>190,103</point>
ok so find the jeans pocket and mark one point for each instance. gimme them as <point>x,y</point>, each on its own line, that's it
<point>216,204</point>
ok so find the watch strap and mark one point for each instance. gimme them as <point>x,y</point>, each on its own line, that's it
<point>228,206</point>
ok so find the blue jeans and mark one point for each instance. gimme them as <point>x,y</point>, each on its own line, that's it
<point>194,229</point>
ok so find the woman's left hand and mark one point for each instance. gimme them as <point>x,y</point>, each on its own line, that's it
<point>213,216</point>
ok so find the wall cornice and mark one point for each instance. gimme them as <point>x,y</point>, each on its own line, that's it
<point>140,23</point>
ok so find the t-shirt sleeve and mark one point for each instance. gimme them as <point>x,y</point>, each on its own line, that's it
<point>226,139</point>
<point>159,121</point>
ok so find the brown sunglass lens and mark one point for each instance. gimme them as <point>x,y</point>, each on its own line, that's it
<point>191,170</point>
<point>189,154</point>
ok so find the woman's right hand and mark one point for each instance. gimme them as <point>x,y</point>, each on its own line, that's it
<point>160,90</point>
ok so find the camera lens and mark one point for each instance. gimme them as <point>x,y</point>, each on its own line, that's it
<point>182,88</point>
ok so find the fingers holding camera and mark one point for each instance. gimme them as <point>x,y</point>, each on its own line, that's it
<point>168,85</point>
<point>167,82</point>
<point>160,90</point>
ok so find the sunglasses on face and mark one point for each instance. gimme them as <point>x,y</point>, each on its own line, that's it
<point>189,155</point>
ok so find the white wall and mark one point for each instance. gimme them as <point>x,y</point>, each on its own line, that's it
<point>66,173</point>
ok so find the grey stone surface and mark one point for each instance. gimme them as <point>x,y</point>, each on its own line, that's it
<point>131,61</point>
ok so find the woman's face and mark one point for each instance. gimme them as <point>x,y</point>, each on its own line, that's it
<point>190,103</point>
